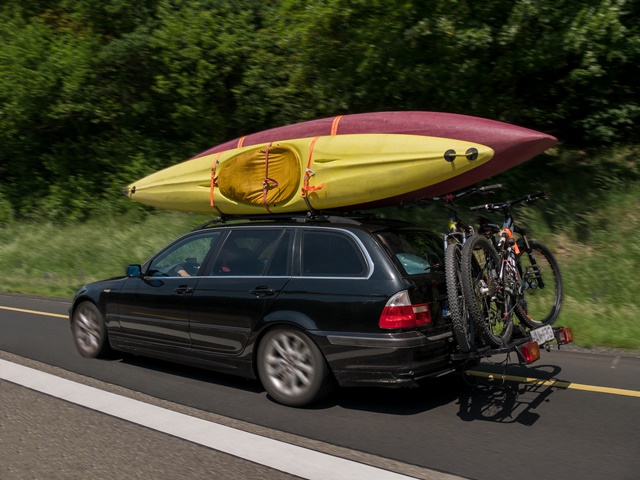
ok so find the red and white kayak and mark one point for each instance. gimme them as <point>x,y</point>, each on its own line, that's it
<point>353,161</point>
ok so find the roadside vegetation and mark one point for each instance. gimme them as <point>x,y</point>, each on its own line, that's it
<point>98,93</point>
<point>590,231</point>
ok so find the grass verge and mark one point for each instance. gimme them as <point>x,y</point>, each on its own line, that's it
<point>596,248</point>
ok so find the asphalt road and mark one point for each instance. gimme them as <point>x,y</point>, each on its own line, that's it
<point>580,421</point>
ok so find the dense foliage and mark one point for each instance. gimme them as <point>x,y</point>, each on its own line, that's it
<point>94,94</point>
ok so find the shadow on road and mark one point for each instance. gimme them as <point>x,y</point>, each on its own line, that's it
<point>495,393</point>
<point>482,394</point>
<point>511,395</point>
<point>429,395</point>
<point>190,372</point>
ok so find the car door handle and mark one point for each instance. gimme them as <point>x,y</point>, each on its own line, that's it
<point>182,289</point>
<point>262,291</point>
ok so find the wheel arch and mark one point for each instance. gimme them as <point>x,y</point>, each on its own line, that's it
<point>81,298</point>
<point>284,318</point>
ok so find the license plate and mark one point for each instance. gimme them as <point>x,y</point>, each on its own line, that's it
<point>542,335</point>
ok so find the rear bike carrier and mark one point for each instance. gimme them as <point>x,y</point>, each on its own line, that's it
<point>527,344</point>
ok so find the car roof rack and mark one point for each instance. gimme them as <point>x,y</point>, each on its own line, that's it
<point>352,217</point>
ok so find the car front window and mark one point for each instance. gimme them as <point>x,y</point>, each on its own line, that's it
<point>183,258</point>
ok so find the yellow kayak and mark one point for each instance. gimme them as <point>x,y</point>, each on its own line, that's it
<point>319,173</point>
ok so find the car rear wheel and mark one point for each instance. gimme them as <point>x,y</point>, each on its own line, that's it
<point>292,369</point>
<point>89,331</point>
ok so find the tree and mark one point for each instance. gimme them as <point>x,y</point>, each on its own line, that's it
<point>95,94</point>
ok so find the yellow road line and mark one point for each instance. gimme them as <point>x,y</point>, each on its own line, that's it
<point>491,376</point>
<point>46,314</point>
<point>556,383</point>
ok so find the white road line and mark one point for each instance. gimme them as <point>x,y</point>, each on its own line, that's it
<point>281,456</point>
<point>615,362</point>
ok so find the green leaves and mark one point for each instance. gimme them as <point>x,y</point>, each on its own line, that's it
<point>94,91</point>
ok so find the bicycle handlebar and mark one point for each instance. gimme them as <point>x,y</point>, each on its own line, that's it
<point>490,187</point>
<point>499,206</point>
<point>467,193</point>
<point>450,198</point>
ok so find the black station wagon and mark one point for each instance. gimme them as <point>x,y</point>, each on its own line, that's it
<point>301,304</point>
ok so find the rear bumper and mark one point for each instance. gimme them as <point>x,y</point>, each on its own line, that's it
<point>393,360</point>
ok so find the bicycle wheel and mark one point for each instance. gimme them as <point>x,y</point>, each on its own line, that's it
<point>480,268</point>
<point>541,299</point>
<point>462,325</point>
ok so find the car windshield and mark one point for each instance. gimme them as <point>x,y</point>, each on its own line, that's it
<point>415,252</point>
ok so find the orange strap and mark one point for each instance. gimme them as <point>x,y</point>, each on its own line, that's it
<point>310,173</point>
<point>213,178</point>
<point>334,125</point>
<point>241,141</point>
<point>267,182</point>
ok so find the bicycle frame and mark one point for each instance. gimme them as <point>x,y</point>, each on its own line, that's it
<point>511,278</point>
<point>458,229</point>
<point>500,281</point>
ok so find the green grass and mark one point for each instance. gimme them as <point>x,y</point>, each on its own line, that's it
<point>593,232</point>
<point>595,242</point>
<point>600,277</point>
<point>54,260</point>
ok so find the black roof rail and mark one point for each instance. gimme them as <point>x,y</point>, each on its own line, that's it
<point>355,218</point>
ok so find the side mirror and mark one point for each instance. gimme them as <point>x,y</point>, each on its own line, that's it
<point>134,271</point>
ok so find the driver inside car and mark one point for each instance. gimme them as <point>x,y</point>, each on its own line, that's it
<point>188,268</point>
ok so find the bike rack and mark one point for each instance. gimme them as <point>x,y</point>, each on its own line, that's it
<point>519,338</point>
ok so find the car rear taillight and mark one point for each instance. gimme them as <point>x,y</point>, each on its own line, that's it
<point>564,335</point>
<point>399,312</point>
<point>529,352</point>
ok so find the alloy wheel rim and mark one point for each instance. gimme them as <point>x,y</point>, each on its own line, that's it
<point>289,364</point>
<point>88,330</point>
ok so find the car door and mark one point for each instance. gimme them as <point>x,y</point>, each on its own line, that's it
<point>332,283</point>
<point>250,269</point>
<point>154,308</point>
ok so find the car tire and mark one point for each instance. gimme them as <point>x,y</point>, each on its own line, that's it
<point>89,331</point>
<point>292,369</point>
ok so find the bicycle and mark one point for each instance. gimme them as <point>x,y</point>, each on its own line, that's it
<point>457,235</point>
<point>533,276</point>
<point>482,282</point>
<point>504,275</point>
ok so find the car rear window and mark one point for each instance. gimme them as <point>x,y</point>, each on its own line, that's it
<point>331,254</point>
<point>415,252</point>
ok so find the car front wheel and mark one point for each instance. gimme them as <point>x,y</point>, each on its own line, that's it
<point>292,369</point>
<point>89,331</point>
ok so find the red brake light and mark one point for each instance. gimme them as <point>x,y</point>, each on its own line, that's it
<point>564,335</point>
<point>529,352</point>
<point>422,313</point>
<point>399,312</point>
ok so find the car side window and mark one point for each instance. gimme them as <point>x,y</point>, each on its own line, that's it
<point>246,252</point>
<point>184,258</point>
<point>280,263</point>
<point>416,252</point>
<point>331,254</point>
